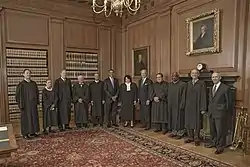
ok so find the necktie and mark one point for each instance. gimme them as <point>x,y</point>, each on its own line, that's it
<point>142,82</point>
<point>112,82</point>
<point>214,90</point>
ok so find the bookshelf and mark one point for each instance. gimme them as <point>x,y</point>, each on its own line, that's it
<point>17,61</point>
<point>81,63</point>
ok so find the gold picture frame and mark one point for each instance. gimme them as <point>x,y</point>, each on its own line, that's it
<point>140,59</point>
<point>203,33</point>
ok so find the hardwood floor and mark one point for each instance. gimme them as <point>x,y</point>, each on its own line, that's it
<point>236,158</point>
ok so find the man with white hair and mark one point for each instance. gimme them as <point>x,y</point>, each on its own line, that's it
<point>218,112</point>
<point>81,102</point>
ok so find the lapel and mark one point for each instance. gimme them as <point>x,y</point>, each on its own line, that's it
<point>217,91</point>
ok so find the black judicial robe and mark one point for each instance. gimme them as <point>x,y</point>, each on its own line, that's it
<point>27,98</point>
<point>63,92</point>
<point>81,109</point>
<point>97,96</point>
<point>127,98</point>
<point>49,116</point>
<point>196,102</point>
<point>159,109</point>
<point>176,105</point>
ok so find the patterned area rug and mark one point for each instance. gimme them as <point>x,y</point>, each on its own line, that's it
<point>115,147</point>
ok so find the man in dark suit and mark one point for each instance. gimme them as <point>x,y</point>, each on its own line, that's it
<point>144,99</point>
<point>205,39</point>
<point>218,111</point>
<point>111,90</point>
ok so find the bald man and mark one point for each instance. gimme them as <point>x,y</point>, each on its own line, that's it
<point>176,106</point>
<point>81,102</point>
<point>196,105</point>
<point>218,111</point>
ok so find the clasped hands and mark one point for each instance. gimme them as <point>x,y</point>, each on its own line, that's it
<point>156,99</point>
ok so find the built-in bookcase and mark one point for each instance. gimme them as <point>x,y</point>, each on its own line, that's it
<point>17,61</point>
<point>81,63</point>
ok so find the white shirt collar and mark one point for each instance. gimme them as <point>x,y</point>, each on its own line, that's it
<point>63,78</point>
<point>217,85</point>
<point>96,81</point>
<point>128,86</point>
<point>48,89</point>
<point>27,80</point>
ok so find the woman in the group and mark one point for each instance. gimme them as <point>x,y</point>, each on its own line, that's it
<point>49,111</point>
<point>128,98</point>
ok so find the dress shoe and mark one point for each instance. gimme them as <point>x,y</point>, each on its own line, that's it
<point>45,132</point>
<point>172,135</point>
<point>219,151</point>
<point>188,141</point>
<point>27,137</point>
<point>115,125</point>
<point>34,135</point>
<point>177,137</point>
<point>209,145</point>
<point>164,132</point>
<point>197,142</point>
<point>157,130</point>
<point>62,129</point>
<point>147,128</point>
<point>68,128</point>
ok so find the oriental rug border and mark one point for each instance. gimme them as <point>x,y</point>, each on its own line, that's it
<point>175,154</point>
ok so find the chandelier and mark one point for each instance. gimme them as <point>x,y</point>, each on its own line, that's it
<point>107,6</point>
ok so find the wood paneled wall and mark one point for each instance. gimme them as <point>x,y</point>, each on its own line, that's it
<point>56,27</point>
<point>162,26</point>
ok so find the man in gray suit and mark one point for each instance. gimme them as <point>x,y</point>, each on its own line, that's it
<point>218,111</point>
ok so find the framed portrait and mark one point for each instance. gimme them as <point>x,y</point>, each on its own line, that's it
<point>203,33</point>
<point>140,60</point>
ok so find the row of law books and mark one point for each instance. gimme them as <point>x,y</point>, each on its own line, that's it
<point>26,53</point>
<point>26,63</point>
<point>77,56</point>
<point>34,71</point>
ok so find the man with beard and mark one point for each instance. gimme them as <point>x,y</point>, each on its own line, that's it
<point>159,97</point>
<point>218,106</point>
<point>81,102</point>
<point>63,93</point>
<point>176,106</point>
<point>196,104</point>
<point>97,100</point>
<point>111,90</point>
<point>144,86</point>
<point>27,98</point>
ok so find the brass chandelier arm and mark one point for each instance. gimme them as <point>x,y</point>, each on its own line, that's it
<point>117,6</point>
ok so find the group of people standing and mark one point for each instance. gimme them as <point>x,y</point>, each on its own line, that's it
<point>174,107</point>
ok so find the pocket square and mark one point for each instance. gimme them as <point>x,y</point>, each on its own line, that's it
<point>146,84</point>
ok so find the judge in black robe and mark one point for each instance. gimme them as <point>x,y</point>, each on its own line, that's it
<point>196,105</point>
<point>218,111</point>
<point>81,102</point>
<point>176,106</point>
<point>144,86</point>
<point>49,110</point>
<point>27,98</point>
<point>111,90</point>
<point>159,99</point>
<point>97,100</point>
<point>128,98</point>
<point>63,92</point>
